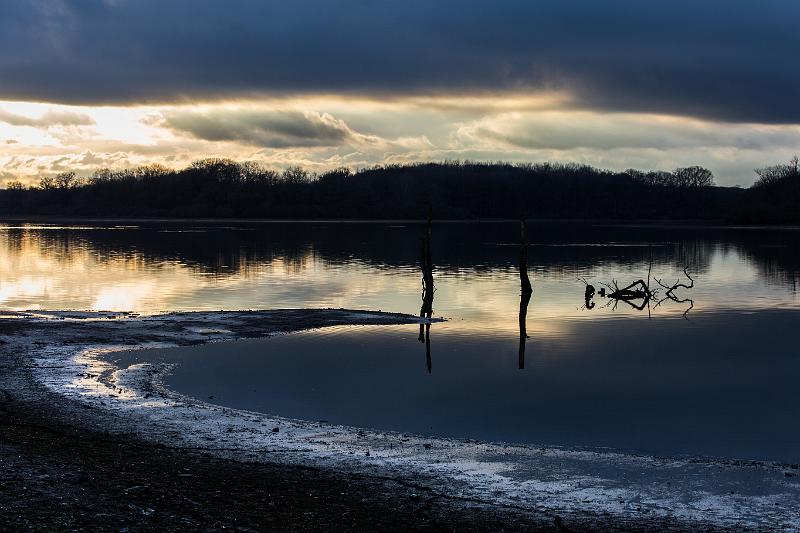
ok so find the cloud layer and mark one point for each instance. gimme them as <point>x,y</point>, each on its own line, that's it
<point>320,134</point>
<point>616,84</point>
<point>47,120</point>
<point>264,128</point>
<point>721,59</point>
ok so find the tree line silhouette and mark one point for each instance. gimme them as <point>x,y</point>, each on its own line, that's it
<point>460,190</point>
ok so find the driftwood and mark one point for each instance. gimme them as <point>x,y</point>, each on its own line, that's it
<point>630,294</point>
<point>639,295</point>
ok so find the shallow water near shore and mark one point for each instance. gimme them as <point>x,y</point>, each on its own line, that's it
<point>705,390</point>
<point>718,380</point>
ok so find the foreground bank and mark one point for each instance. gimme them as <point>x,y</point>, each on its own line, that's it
<point>56,381</point>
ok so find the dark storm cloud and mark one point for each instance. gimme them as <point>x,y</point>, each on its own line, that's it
<point>725,59</point>
<point>269,129</point>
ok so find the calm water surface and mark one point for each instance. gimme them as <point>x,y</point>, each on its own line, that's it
<point>722,381</point>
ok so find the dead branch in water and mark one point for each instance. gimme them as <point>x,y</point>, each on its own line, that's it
<point>670,292</point>
<point>639,294</point>
<point>638,290</point>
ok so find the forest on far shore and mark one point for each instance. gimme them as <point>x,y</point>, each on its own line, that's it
<point>221,188</point>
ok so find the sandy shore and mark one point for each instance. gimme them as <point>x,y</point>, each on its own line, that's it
<point>55,381</point>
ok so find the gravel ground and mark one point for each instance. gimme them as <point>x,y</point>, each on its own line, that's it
<point>55,477</point>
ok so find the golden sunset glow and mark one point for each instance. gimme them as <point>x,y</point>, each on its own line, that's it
<point>323,132</point>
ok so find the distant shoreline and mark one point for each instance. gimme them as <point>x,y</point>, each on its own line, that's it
<point>222,189</point>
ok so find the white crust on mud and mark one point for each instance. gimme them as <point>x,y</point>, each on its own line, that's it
<point>68,361</point>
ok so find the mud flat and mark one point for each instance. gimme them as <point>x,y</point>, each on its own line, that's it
<point>70,415</point>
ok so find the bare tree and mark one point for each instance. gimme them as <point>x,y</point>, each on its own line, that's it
<point>296,175</point>
<point>693,177</point>
<point>771,175</point>
<point>66,180</point>
<point>47,183</point>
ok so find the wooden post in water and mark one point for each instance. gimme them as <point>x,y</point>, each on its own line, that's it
<point>526,291</point>
<point>426,311</point>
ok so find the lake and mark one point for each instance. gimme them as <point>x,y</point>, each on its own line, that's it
<point>711,371</point>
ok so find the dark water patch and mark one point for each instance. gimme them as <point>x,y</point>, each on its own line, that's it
<point>723,385</point>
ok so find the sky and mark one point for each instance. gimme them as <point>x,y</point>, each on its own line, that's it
<point>88,84</point>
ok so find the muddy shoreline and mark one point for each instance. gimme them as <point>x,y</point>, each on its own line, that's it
<point>57,474</point>
<point>72,445</point>
<point>58,477</point>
